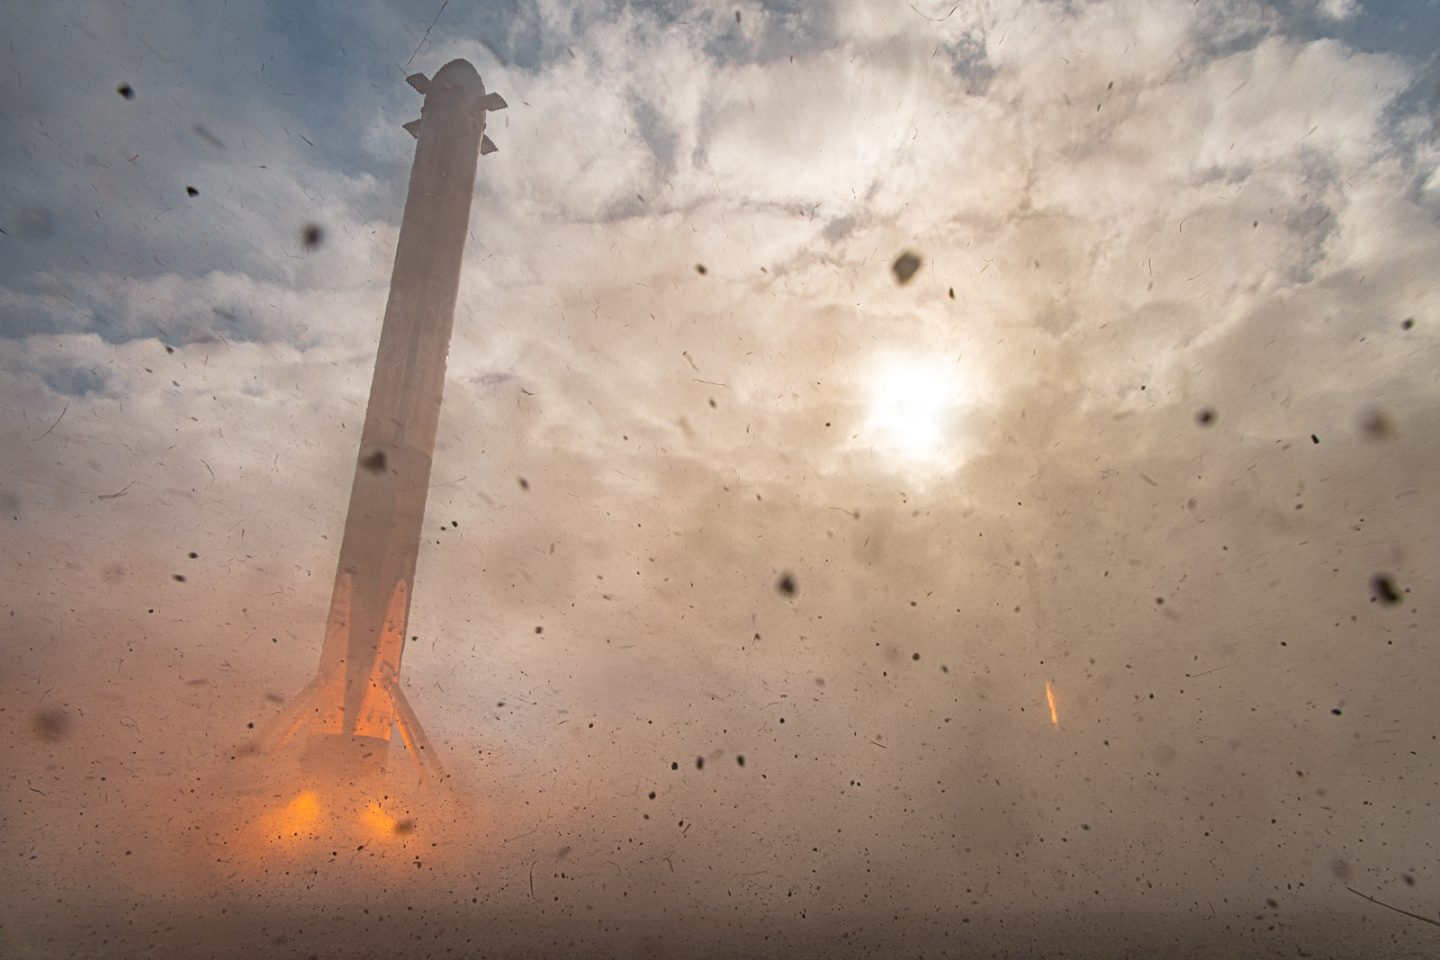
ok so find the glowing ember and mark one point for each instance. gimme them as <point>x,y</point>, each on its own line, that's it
<point>1050,699</point>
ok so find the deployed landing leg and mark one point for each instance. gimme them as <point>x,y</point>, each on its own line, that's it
<point>310,706</point>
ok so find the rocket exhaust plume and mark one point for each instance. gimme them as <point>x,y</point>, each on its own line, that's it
<point>353,705</point>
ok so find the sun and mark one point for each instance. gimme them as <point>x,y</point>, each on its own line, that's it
<point>912,402</point>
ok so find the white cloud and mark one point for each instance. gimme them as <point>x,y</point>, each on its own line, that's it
<point>1336,9</point>
<point>1142,209</point>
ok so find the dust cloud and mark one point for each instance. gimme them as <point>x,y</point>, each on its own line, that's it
<point>1067,591</point>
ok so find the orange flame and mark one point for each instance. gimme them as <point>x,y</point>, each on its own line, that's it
<point>297,817</point>
<point>377,821</point>
<point>1050,699</point>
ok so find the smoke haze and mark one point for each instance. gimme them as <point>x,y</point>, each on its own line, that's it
<point>1064,589</point>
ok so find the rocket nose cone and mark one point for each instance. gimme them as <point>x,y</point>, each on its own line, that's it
<point>461,76</point>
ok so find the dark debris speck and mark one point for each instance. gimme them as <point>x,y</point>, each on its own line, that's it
<point>1205,417</point>
<point>1376,425</point>
<point>905,267</point>
<point>374,461</point>
<point>126,91</point>
<point>312,235</point>
<point>191,192</point>
<point>786,585</point>
<point>1384,587</point>
<point>52,724</point>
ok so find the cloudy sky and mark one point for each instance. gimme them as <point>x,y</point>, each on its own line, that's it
<point>1155,412</point>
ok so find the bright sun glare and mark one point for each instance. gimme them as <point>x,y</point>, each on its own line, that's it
<point>910,399</point>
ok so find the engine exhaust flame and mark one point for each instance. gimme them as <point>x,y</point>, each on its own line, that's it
<point>298,818</point>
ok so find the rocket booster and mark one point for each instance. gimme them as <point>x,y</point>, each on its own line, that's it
<point>356,692</point>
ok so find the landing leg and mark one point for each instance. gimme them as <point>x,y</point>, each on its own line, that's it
<point>416,743</point>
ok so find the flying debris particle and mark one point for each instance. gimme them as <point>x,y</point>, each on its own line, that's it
<point>539,629</point>
<point>117,494</point>
<point>914,656</point>
<point>700,269</point>
<point>675,765</point>
<point>1314,438</point>
<point>1050,699</point>
<point>1381,903</point>
<point>424,37</point>
<point>209,137</point>
<point>52,724</point>
<point>952,293</point>
<point>374,461</point>
<point>178,577</point>
<point>1376,425</point>
<point>905,267</point>
<point>1205,417</point>
<point>786,584</point>
<point>126,91</point>
<point>193,555</point>
<point>524,484</point>
<point>191,192</point>
<point>699,763</point>
<point>740,759</point>
<point>1335,711</point>
<point>1384,588</point>
<point>169,349</point>
<point>311,236</point>
<point>1407,324</point>
<point>737,16</point>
